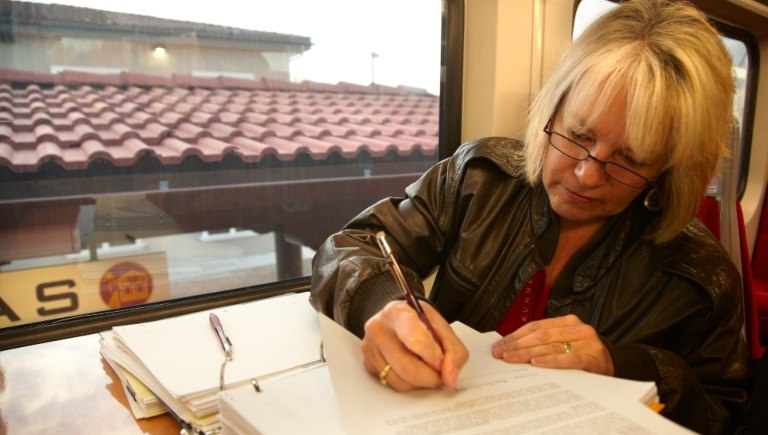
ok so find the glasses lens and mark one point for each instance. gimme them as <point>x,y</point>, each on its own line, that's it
<point>624,175</point>
<point>568,147</point>
<point>579,152</point>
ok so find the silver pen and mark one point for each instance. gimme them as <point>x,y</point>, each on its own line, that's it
<point>410,297</point>
<point>226,345</point>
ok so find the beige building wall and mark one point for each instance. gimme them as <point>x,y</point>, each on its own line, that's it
<point>182,55</point>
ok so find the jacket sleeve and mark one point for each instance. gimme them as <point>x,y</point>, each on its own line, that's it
<point>708,408</point>
<point>350,279</point>
<point>703,385</point>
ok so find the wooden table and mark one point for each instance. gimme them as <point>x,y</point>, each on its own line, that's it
<point>66,387</point>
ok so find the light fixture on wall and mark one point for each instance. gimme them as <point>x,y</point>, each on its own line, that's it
<point>160,50</point>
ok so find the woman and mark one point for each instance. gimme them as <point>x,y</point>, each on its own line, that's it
<point>578,246</point>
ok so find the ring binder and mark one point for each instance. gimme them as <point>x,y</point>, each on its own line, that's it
<point>189,390</point>
<point>297,404</point>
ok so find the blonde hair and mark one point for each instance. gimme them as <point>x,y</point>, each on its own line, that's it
<point>669,63</point>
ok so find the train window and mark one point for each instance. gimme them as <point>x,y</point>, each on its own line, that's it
<point>737,43</point>
<point>151,152</point>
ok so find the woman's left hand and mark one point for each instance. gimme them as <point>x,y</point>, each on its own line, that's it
<point>560,342</point>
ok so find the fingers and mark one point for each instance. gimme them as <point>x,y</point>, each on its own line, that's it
<point>381,347</point>
<point>542,326</point>
<point>415,335</point>
<point>403,373</point>
<point>545,336</point>
<point>562,342</point>
<point>591,356</point>
<point>397,337</point>
<point>387,375</point>
<point>455,354</point>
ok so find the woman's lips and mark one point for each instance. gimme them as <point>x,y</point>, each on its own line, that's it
<point>576,197</point>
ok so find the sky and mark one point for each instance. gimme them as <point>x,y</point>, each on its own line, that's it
<point>405,34</point>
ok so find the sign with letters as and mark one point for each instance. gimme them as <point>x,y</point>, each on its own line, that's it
<point>52,292</point>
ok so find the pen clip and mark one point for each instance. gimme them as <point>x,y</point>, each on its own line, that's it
<point>397,273</point>
<point>383,245</point>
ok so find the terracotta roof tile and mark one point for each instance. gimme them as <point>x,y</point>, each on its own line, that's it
<point>75,119</point>
<point>255,131</point>
<point>252,150</point>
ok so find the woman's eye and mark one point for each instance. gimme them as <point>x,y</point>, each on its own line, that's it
<point>579,137</point>
<point>632,162</point>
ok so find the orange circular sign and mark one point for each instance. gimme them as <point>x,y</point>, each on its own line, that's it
<point>125,284</point>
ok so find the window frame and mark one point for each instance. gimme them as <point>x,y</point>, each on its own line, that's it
<point>750,102</point>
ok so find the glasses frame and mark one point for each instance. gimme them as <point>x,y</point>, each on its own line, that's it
<point>548,130</point>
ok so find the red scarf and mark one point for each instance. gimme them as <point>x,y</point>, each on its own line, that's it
<point>530,304</point>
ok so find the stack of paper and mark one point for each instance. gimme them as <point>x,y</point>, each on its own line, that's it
<point>300,404</point>
<point>491,397</point>
<point>143,402</point>
<point>179,359</point>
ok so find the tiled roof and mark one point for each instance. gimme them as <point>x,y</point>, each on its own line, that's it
<point>75,118</point>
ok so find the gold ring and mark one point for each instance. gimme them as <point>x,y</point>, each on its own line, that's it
<point>567,347</point>
<point>383,374</point>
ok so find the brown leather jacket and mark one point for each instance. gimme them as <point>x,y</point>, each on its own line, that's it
<point>669,313</point>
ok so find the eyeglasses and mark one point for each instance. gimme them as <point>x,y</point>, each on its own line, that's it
<point>578,152</point>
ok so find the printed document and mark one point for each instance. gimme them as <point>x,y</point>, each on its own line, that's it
<point>491,396</point>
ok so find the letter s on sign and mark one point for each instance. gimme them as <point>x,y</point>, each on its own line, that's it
<point>44,296</point>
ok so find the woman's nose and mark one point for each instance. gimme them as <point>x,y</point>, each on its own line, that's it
<point>590,172</point>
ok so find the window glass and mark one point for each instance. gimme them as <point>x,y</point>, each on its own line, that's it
<point>160,150</point>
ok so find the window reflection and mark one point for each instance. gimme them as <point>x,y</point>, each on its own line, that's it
<point>152,157</point>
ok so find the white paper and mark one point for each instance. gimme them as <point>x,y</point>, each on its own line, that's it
<point>303,403</point>
<point>491,397</point>
<point>185,355</point>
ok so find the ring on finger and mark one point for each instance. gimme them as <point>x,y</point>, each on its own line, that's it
<point>568,347</point>
<point>383,374</point>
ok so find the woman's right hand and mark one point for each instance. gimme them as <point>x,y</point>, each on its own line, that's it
<point>396,336</point>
